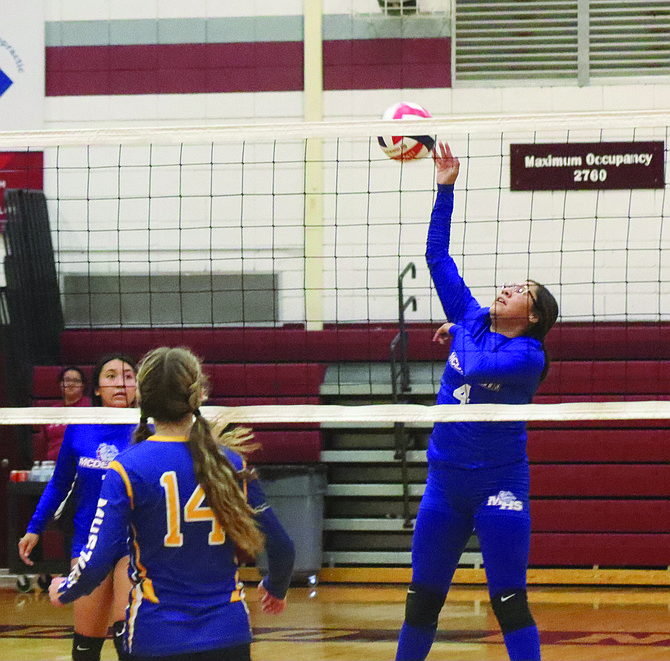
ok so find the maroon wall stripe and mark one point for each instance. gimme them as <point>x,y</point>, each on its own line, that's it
<point>387,64</point>
<point>244,67</point>
<point>174,69</point>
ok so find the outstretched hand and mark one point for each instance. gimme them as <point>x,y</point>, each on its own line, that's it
<point>446,163</point>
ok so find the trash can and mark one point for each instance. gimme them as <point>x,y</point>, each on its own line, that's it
<point>296,495</point>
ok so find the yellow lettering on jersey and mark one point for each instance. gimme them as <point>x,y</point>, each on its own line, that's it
<point>196,511</point>
<point>174,537</point>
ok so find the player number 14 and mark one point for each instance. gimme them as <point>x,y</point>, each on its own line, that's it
<point>194,510</point>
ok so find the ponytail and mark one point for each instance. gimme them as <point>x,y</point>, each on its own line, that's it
<point>219,480</point>
<point>143,430</point>
<point>546,309</point>
<point>171,387</point>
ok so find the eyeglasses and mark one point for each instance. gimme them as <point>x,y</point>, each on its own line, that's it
<point>520,289</point>
<point>71,382</point>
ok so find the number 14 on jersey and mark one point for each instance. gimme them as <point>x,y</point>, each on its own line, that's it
<point>194,511</point>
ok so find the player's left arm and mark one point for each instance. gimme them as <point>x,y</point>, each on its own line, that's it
<point>107,542</point>
<point>278,545</point>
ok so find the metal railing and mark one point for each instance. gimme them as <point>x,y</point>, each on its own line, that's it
<point>400,386</point>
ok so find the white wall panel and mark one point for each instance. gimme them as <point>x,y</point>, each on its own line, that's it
<point>123,9</point>
<point>628,97</point>
<point>93,10</point>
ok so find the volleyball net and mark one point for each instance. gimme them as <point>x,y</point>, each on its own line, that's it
<point>290,258</point>
<point>288,227</point>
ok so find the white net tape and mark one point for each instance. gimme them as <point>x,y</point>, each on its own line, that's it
<point>376,413</point>
<point>452,126</point>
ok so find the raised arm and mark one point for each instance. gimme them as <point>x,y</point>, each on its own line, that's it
<point>457,301</point>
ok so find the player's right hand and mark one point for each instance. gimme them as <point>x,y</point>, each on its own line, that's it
<point>446,163</point>
<point>26,545</point>
<point>54,594</point>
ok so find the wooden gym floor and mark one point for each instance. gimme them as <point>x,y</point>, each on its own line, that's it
<point>354,622</point>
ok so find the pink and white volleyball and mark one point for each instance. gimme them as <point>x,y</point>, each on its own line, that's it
<point>406,148</point>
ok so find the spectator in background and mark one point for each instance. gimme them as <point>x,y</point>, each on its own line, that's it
<point>48,438</point>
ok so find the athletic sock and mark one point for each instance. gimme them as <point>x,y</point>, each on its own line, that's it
<point>523,644</point>
<point>414,643</point>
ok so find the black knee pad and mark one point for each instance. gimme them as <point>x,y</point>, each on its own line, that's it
<point>423,607</point>
<point>511,609</point>
<point>86,648</point>
<point>118,631</point>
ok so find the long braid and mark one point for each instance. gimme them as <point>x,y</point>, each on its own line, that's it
<point>172,386</point>
<point>219,481</point>
<point>143,430</point>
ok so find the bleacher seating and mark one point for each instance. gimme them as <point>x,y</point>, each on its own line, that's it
<point>235,384</point>
<point>256,345</point>
<point>600,490</point>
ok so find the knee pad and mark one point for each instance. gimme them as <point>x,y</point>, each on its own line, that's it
<point>511,609</point>
<point>423,607</point>
<point>86,648</point>
<point>118,631</point>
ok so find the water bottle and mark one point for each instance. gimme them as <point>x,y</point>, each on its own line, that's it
<point>35,473</point>
<point>47,470</point>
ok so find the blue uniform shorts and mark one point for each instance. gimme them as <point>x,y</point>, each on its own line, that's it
<point>492,502</point>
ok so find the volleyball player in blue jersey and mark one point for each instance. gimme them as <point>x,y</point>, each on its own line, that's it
<point>478,476</point>
<point>190,505</point>
<point>83,459</point>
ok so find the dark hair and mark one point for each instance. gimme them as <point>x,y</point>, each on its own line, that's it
<point>171,386</point>
<point>72,368</point>
<point>546,309</point>
<point>96,400</point>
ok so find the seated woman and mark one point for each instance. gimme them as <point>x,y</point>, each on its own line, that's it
<point>48,438</point>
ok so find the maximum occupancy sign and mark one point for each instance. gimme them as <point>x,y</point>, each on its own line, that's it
<point>587,166</point>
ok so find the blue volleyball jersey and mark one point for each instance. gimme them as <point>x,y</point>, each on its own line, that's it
<point>483,367</point>
<point>186,596</point>
<point>86,453</point>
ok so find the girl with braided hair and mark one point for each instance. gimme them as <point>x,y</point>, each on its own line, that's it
<point>189,504</point>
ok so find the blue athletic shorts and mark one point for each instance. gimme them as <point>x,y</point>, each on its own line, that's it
<point>492,502</point>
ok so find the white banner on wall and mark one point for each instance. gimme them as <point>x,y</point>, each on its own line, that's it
<point>21,65</point>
